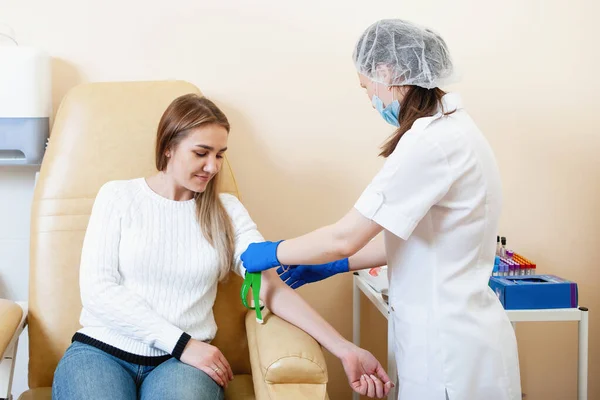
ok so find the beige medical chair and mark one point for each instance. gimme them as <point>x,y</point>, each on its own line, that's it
<point>102,132</point>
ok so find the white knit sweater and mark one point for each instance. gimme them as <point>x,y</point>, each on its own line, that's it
<point>147,273</point>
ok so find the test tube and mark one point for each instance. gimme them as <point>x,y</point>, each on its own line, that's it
<point>517,268</point>
<point>523,264</point>
<point>509,260</point>
<point>532,270</point>
<point>529,264</point>
<point>520,268</point>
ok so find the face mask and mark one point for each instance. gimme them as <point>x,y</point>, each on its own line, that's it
<point>390,113</point>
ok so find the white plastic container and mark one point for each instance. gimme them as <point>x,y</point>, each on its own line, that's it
<point>25,105</point>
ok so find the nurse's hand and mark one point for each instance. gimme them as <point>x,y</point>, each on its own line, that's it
<point>298,275</point>
<point>260,256</point>
<point>365,374</point>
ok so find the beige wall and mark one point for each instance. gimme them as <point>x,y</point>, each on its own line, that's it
<point>282,71</point>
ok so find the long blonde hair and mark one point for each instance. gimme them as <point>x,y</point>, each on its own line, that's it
<point>184,114</point>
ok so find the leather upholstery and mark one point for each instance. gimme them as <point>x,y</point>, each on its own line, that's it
<point>10,317</point>
<point>291,363</point>
<point>37,394</point>
<point>102,132</point>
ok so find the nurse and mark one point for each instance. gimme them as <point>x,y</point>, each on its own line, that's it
<point>437,200</point>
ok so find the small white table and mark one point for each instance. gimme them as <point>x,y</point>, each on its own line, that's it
<point>564,314</point>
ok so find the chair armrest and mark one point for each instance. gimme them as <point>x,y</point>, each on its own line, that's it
<point>287,363</point>
<point>13,318</point>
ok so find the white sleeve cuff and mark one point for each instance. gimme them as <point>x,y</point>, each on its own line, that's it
<point>167,338</point>
<point>372,206</point>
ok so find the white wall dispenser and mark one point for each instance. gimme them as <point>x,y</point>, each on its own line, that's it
<point>25,103</point>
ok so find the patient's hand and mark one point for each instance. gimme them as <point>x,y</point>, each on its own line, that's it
<point>286,303</point>
<point>209,359</point>
<point>365,374</point>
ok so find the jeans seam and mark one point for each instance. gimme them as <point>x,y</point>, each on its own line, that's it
<point>139,375</point>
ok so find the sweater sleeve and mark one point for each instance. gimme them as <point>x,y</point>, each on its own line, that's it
<point>245,229</point>
<point>102,294</point>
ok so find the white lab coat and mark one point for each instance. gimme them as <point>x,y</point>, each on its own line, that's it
<point>438,197</point>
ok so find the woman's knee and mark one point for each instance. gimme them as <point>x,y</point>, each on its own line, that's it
<point>176,380</point>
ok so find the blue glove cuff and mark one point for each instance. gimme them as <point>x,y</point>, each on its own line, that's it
<point>340,266</point>
<point>275,261</point>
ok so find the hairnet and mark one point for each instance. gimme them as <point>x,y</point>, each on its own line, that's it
<point>413,55</point>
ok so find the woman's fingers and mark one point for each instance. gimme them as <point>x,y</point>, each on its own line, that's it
<point>379,392</point>
<point>223,374</point>
<point>370,386</point>
<point>382,375</point>
<point>387,387</point>
<point>362,387</point>
<point>222,363</point>
<point>214,375</point>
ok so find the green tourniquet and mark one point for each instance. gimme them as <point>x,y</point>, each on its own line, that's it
<point>252,281</point>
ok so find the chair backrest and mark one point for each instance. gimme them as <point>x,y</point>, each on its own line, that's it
<point>102,132</point>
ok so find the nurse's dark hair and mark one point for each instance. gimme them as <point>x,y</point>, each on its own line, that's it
<point>184,114</point>
<point>418,102</point>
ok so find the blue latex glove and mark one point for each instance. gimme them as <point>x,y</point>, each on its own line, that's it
<point>298,275</point>
<point>260,256</point>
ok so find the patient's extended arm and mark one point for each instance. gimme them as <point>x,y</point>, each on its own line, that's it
<point>365,374</point>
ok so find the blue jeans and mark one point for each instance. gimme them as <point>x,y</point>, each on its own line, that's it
<point>86,372</point>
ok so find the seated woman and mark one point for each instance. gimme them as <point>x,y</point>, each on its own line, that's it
<point>154,252</point>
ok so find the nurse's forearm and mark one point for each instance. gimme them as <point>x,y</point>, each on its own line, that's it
<point>288,305</point>
<point>371,256</point>
<point>330,243</point>
<point>317,247</point>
